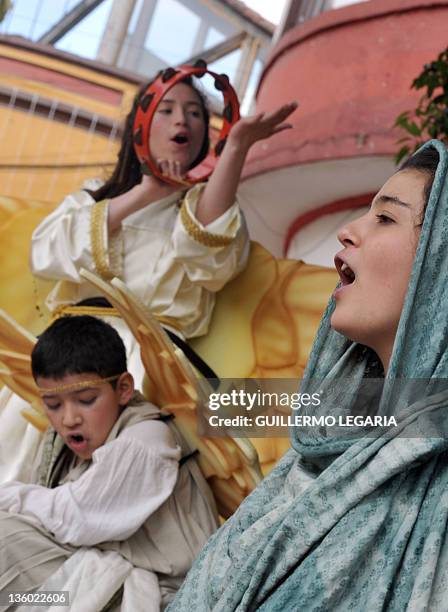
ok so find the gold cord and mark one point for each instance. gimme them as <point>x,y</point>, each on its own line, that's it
<point>102,311</point>
<point>77,385</point>
<point>93,311</point>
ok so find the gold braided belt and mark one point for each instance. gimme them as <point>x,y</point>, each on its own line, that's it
<point>103,311</point>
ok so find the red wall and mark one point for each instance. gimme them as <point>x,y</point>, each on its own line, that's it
<point>351,71</point>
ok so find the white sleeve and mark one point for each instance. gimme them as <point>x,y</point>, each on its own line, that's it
<point>211,255</point>
<point>72,237</point>
<point>127,481</point>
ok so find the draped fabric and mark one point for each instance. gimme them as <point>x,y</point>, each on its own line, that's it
<point>351,522</point>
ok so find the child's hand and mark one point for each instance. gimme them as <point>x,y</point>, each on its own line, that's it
<point>172,169</point>
<point>249,130</point>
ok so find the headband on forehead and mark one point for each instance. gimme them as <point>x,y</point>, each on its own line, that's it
<point>77,385</point>
<point>148,105</point>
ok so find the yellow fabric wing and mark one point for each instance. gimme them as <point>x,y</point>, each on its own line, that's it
<point>230,465</point>
<point>16,344</point>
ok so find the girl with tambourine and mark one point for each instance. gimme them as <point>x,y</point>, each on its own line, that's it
<point>172,245</point>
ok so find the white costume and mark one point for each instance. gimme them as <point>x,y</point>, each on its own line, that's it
<point>131,499</point>
<point>161,252</point>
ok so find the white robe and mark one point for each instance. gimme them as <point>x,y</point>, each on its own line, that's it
<point>131,507</point>
<point>162,255</point>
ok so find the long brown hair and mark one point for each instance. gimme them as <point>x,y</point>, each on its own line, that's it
<point>127,172</point>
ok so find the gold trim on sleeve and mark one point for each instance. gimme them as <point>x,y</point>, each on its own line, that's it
<point>199,235</point>
<point>99,252</point>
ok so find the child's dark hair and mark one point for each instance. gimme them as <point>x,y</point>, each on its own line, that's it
<point>426,161</point>
<point>127,172</point>
<point>78,345</point>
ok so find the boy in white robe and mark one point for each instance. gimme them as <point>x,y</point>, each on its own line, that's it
<point>114,477</point>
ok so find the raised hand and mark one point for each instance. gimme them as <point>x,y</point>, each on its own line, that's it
<point>220,192</point>
<point>249,130</point>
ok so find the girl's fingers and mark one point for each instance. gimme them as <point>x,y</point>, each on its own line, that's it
<point>171,168</point>
<point>271,119</point>
<point>281,128</point>
<point>176,170</point>
<point>287,109</point>
<point>179,173</point>
<point>163,166</point>
<point>253,120</point>
<point>281,113</point>
<point>168,167</point>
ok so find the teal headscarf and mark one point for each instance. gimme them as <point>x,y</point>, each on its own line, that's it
<point>353,523</point>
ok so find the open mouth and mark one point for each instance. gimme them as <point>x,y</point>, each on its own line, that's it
<point>77,441</point>
<point>346,274</point>
<point>180,139</point>
<point>77,438</point>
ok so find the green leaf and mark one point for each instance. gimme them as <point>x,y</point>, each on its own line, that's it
<point>440,99</point>
<point>402,118</point>
<point>403,152</point>
<point>414,129</point>
<point>430,117</point>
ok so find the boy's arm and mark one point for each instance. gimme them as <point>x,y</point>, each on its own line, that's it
<point>127,482</point>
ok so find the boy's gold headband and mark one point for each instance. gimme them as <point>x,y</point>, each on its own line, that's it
<point>77,385</point>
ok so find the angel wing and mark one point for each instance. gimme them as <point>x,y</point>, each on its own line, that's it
<point>230,465</point>
<point>16,344</point>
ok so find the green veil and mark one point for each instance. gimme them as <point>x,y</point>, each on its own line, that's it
<point>351,522</point>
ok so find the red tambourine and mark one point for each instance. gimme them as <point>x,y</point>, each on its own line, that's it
<point>148,105</point>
